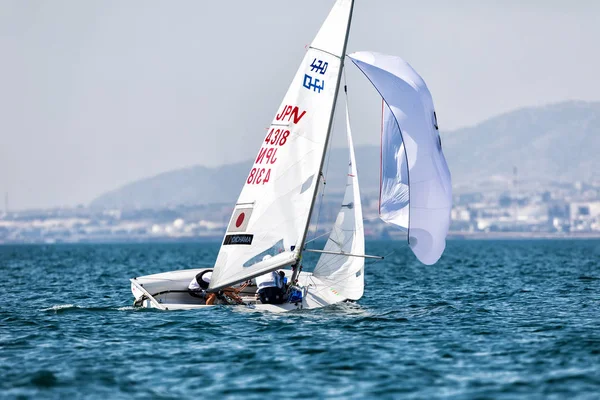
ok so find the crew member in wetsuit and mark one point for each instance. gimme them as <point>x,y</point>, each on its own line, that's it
<point>198,285</point>
<point>270,288</point>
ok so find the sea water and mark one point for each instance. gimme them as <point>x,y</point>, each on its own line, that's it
<point>492,319</point>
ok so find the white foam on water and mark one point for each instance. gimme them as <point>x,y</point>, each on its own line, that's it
<point>59,307</point>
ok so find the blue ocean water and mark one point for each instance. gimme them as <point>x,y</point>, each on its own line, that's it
<point>493,319</point>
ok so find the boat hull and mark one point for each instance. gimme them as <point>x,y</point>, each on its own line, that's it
<point>168,291</point>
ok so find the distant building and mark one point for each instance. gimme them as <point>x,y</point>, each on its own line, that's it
<point>585,216</point>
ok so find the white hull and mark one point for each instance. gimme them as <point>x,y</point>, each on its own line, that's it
<point>168,291</point>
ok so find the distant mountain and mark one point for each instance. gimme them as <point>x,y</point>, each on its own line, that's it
<point>202,185</point>
<point>195,185</point>
<point>558,142</point>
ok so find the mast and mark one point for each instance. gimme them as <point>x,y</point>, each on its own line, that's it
<point>328,136</point>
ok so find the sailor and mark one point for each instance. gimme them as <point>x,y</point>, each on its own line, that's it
<point>270,287</point>
<point>198,285</point>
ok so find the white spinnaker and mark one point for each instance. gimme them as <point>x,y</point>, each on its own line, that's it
<point>429,183</point>
<point>341,273</point>
<point>272,213</point>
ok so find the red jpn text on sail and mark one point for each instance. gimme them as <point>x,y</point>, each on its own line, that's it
<point>277,137</point>
<point>290,112</point>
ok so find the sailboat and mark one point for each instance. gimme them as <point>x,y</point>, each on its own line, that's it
<point>270,221</point>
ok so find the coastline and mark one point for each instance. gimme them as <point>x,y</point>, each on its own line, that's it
<point>521,235</point>
<point>458,236</point>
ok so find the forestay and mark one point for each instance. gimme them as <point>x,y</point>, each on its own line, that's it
<point>416,191</point>
<point>341,273</point>
<point>272,213</point>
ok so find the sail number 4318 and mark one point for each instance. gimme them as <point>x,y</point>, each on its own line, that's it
<point>267,155</point>
<point>276,138</point>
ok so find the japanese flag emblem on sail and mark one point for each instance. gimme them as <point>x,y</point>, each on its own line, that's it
<point>239,220</point>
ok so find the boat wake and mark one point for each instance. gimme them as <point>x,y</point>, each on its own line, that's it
<point>70,308</point>
<point>60,307</point>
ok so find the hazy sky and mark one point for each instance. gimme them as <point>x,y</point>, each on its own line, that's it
<point>96,94</point>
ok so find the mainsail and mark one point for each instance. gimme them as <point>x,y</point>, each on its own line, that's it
<point>272,214</point>
<point>416,191</point>
<point>339,272</point>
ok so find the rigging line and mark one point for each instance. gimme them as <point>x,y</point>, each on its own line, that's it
<point>343,253</point>
<point>321,199</point>
<point>330,261</point>
<point>329,285</point>
<point>327,168</point>
<point>318,237</point>
<point>344,230</point>
<point>345,85</point>
<point>333,261</point>
<point>324,175</point>
<point>378,261</point>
